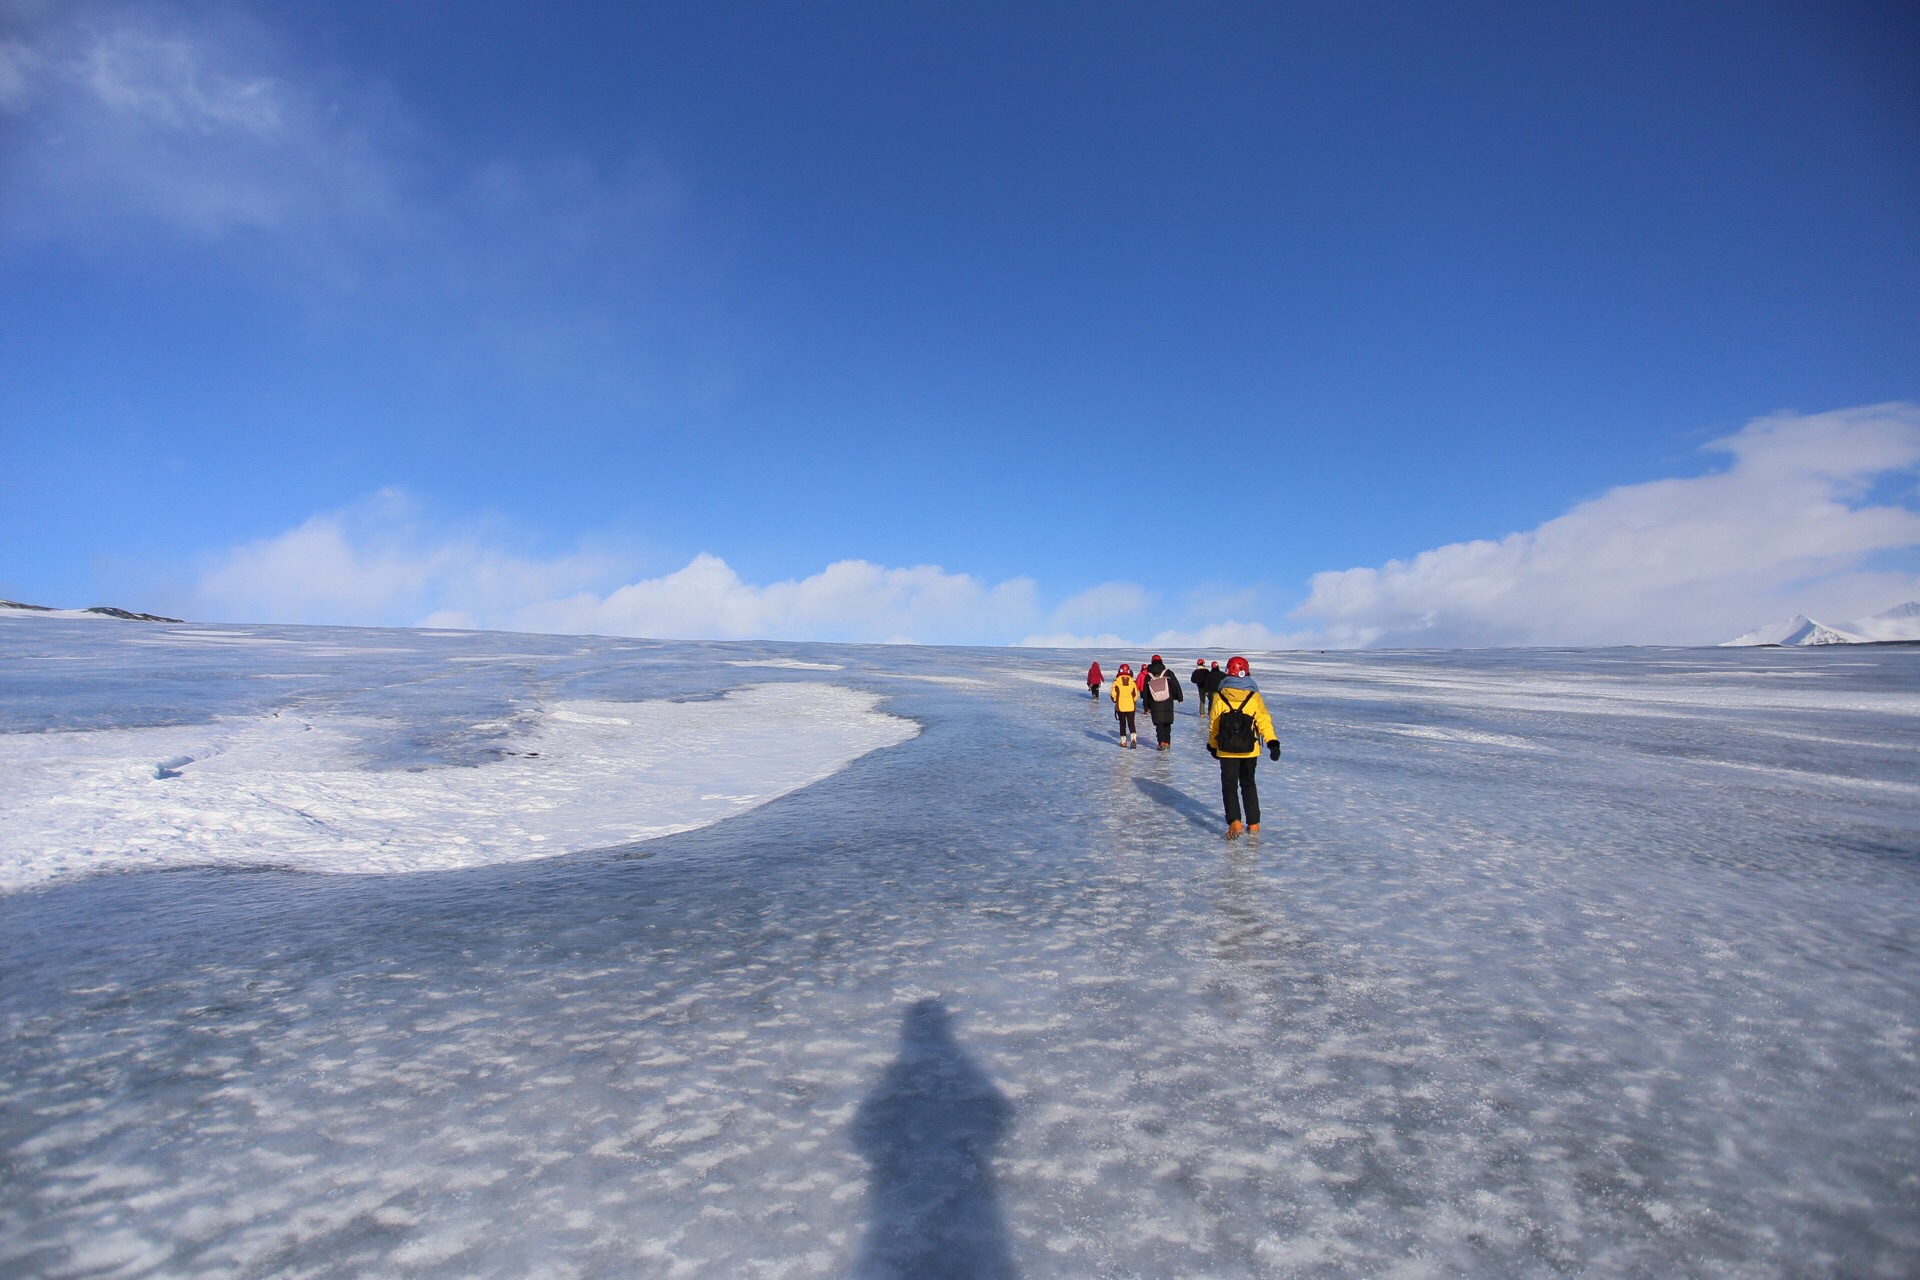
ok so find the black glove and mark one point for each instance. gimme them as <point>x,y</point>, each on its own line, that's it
<point>1213,753</point>
<point>1273,749</point>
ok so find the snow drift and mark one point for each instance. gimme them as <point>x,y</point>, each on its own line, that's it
<point>293,790</point>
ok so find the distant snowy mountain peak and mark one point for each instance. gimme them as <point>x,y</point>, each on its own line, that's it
<point>1902,622</point>
<point>1817,633</point>
<point>1797,630</point>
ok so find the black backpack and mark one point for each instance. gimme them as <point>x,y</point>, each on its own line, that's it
<point>1237,734</point>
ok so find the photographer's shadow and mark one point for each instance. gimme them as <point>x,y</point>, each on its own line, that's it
<point>928,1131</point>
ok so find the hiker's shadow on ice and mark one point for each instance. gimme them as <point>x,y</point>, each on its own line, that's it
<point>927,1132</point>
<point>1180,802</point>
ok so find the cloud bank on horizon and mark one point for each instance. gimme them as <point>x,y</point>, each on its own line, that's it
<point>1790,525</point>
<point>1804,516</point>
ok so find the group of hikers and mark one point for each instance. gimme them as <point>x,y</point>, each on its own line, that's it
<point>1238,723</point>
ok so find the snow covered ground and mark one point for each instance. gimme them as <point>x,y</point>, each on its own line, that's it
<point>1590,963</point>
<point>290,788</point>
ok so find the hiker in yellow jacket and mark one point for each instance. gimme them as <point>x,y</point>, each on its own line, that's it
<point>1237,725</point>
<point>1126,698</point>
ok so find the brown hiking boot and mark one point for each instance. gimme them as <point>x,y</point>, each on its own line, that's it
<point>1233,830</point>
<point>1253,828</point>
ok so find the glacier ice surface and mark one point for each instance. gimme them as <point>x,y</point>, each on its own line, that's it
<point>1595,963</point>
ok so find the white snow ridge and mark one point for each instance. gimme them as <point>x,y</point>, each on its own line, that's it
<point>293,791</point>
<point>1902,622</point>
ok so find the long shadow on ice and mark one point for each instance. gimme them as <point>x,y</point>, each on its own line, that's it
<point>927,1132</point>
<point>1180,802</point>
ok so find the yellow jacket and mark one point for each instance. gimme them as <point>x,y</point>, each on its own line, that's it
<point>1255,706</point>
<point>1123,693</point>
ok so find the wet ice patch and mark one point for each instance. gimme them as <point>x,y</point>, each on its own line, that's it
<point>182,636</point>
<point>501,657</point>
<point>1049,678</point>
<point>288,791</point>
<point>1475,737</point>
<point>785,664</point>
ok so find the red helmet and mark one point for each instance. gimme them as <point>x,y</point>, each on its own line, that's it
<point>1124,668</point>
<point>1237,666</point>
<point>1156,657</point>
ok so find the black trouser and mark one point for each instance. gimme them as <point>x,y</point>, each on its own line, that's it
<point>1126,723</point>
<point>1163,729</point>
<point>1093,690</point>
<point>1236,780</point>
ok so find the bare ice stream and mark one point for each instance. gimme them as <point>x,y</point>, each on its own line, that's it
<point>340,953</point>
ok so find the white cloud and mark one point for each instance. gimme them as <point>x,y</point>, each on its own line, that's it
<point>1102,604</point>
<point>380,563</point>
<point>848,600</point>
<point>125,120</point>
<point>1788,526</point>
<point>1077,621</point>
<point>162,82</point>
<point>1237,635</point>
<point>1069,640</point>
<point>201,138</point>
<point>1247,636</point>
<point>19,67</point>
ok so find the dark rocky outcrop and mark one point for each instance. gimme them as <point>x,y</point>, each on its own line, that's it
<point>112,612</point>
<point>106,610</point>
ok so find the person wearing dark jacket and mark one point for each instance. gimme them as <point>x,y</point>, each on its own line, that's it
<point>1237,726</point>
<point>1160,688</point>
<point>1204,682</point>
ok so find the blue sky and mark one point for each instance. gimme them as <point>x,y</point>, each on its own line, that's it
<point>1245,324</point>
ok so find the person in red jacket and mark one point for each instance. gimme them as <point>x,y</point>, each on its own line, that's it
<point>1093,681</point>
